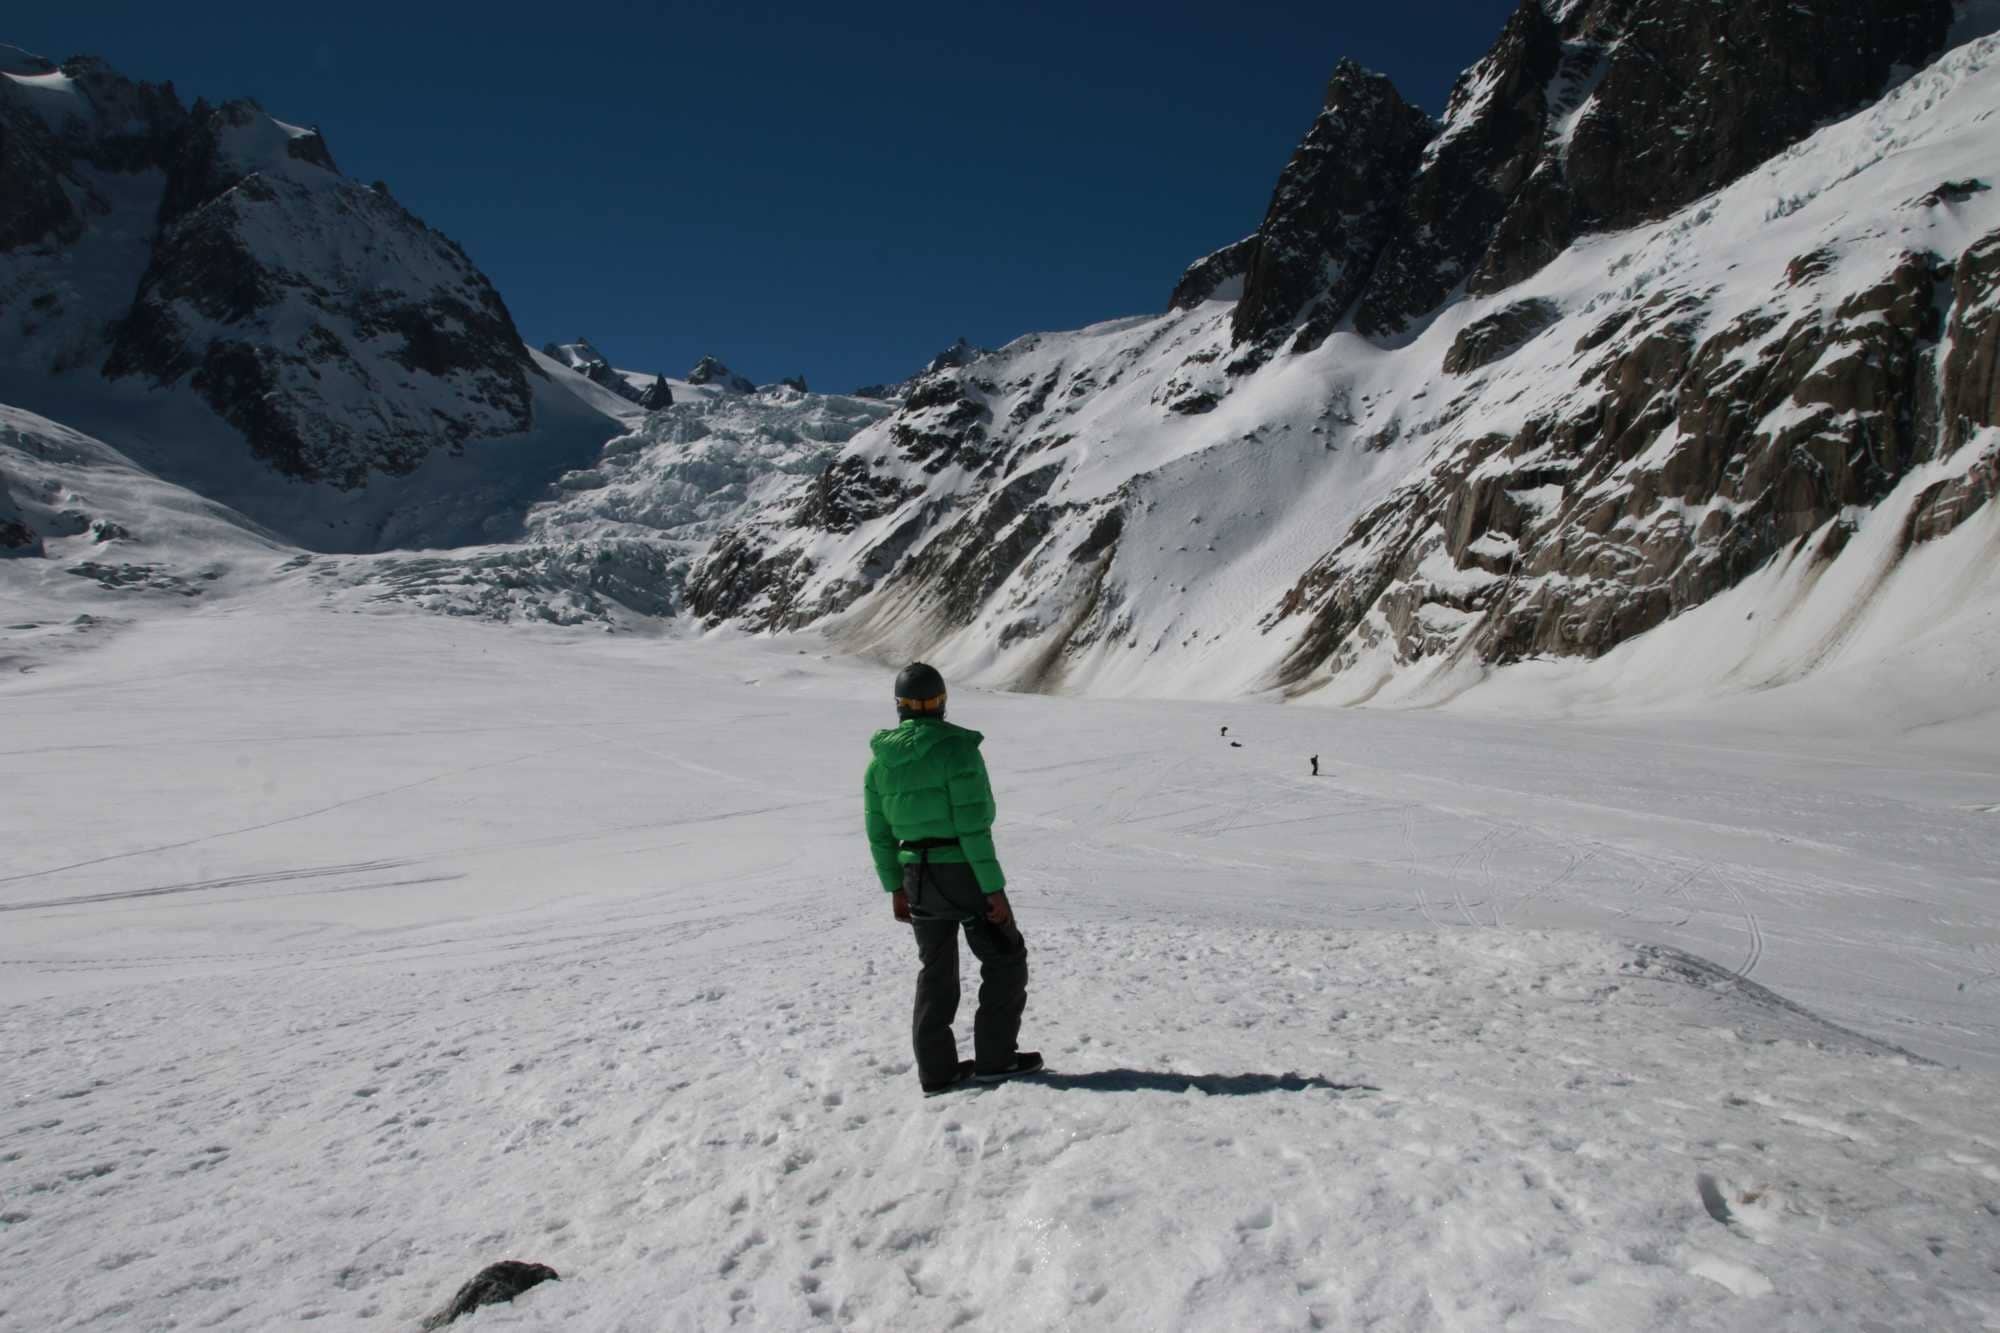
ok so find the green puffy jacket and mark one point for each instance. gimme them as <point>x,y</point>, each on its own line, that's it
<point>926,781</point>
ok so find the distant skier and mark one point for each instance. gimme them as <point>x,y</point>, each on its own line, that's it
<point>928,809</point>
<point>1315,764</point>
<point>1225,733</point>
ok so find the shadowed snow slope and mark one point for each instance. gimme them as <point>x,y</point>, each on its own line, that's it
<point>345,954</point>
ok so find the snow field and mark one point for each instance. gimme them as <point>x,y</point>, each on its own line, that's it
<point>700,1146</point>
<point>345,954</point>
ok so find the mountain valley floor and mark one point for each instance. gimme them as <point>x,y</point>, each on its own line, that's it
<point>343,954</point>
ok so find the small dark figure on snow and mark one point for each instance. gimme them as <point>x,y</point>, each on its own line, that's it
<point>1315,764</point>
<point>928,809</point>
<point>1225,733</point>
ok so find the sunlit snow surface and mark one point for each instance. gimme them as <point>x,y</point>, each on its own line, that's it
<point>345,954</point>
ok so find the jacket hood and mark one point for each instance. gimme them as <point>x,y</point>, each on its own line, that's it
<point>915,739</point>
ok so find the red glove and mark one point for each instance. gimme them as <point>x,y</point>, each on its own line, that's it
<point>899,903</point>
<point>997,910</point>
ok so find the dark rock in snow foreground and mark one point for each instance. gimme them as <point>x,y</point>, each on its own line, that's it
<point>494,1284</point>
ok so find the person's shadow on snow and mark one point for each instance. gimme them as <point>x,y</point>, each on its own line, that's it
<point>1215,1085</point>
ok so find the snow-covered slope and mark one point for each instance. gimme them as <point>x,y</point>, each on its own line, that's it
<point>1793,375</point>
<point>346,955</point>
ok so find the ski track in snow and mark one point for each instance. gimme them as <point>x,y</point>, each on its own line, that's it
<point>369,987</point>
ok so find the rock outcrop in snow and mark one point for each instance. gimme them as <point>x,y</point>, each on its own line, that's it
<point>656,395</point>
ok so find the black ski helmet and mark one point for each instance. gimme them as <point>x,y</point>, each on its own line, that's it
<point>919,691</point>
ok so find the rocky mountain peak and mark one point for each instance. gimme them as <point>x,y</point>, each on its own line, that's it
<point>222,146</point>
<point>710,370</point>
<point>592,364</point>
<point>1330,215</point>
<point>1584,115</point>
<point>960,353</point>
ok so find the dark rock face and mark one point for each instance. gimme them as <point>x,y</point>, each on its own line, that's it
<point>967,562</point>
<point>745,575</point>
<point>846,495</point>
<point>48,138</point>
<point>797,382</point>
<point>494,1284</point>
<point>592,364</point>
<point>1972,368</point>
<point>1330,215</point>
<point>708,370</point>
<point>657,395</point>
<point>1492,140</point>
<point>16,536</point>
<point>1562,543</point>
<point>1214,277</point>
<point>945,420</point>
<point>1692,96</point>
<point>1499,334</point>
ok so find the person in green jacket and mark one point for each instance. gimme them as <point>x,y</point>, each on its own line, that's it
<point>928,809</point>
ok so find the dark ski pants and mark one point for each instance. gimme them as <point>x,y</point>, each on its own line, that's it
<point>942,898</point>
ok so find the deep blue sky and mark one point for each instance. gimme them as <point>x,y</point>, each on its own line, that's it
<point>834,190</point>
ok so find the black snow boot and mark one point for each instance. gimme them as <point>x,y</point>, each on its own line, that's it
<point>957,1080</point>
<point>1025,1062</point>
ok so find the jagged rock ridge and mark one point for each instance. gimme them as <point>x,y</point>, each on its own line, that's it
<point>1585,116</point>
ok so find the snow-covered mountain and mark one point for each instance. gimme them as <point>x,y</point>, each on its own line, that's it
<point>203,287</point>
<point>1622,331</point>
